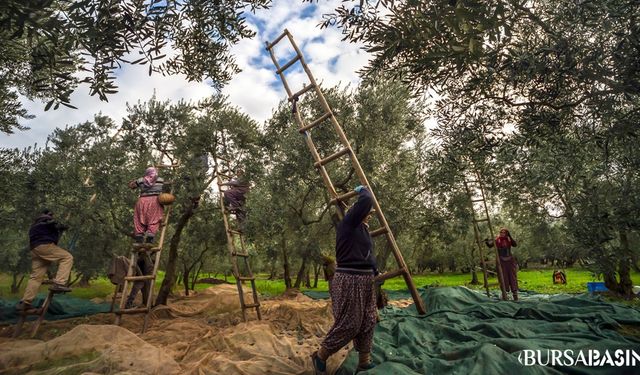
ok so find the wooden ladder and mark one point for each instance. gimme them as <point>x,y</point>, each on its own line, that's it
<point>320,162</point>
<point>235,238</point>
<point>38,311</point>
<point>475,190</point>
<point>136,251</point>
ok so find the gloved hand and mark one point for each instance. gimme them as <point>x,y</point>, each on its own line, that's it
<point>359,188</point>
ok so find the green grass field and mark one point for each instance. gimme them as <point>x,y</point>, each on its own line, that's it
<point>537,280</point>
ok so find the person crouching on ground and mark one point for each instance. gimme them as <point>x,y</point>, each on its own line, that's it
<point>508,264</point>
<point>148,211</point>
<point>43,240</point>
<point>352,288</point>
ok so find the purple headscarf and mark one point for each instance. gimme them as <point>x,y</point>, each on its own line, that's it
<point>150,176</point>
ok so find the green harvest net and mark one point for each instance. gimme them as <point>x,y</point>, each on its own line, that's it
<point>465,332</point>
<point>62,307</point>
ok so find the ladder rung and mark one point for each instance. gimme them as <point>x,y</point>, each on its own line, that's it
<point>233,231</point>
<point>136,310</point>
<point>146,249</point>
<point>343,197</point>
<point>288,65</point>
<point>315,122</point>
<point>301,92</point>
<point>138,278</point>
<point>279,38</point>
<point>246,278</point>
<point>480,220</point>
<point>139,246</point>
<point>167,165</point>
<point>244,255</point>
<point>377,232</point>
<point>250,305</point>
<point>477,200</point>
<point>390,275</point>
<point>332,157</point>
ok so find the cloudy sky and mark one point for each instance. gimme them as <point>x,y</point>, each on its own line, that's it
<point>256,90</point>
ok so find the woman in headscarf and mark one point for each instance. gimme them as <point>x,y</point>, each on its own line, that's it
<point>352,289</point>
<point>148,211</point>
<point>508,264</point>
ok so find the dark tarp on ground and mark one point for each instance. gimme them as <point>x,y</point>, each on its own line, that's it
<point>62,307</point>
<point>464,332</point>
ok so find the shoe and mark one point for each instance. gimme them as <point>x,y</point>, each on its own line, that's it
<point>319,366</point>
<point>59,288</point>
<point>23,306</point>
<point>365,367</point>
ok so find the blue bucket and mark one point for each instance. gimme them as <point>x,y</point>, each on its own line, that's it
<point>596,286</point>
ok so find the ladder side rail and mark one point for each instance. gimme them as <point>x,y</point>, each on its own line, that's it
<point>482,262</point>
<point>43,311</point>
<point>156,265</point>
<point>231,245</point>
<point>486,211</point>
<point>281,74</point>
<point>123,297</point>
<point>476,232</point>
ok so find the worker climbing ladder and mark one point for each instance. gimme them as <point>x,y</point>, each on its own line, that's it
<point>144,250</point>
<point>480,214</point>
<point>320,162</point>
<point>235,240</point>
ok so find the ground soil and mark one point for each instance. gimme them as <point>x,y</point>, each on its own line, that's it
<point>203,333</point>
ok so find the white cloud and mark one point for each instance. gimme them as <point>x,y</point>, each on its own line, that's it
<point>256,90</point>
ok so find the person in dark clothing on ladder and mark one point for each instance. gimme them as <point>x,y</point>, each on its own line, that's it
<point>352,289</point>
<point>235,196</point>
<point>508,263</point>
<point>43,240</point>
<point>144,266</point>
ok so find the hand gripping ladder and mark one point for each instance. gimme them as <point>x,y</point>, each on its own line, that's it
<point>235,237</point>
<point>146,250</point>
<point>338,200</point>
<point>475,190</point>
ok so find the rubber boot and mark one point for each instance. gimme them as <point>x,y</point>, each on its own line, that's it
<point>130,301</point>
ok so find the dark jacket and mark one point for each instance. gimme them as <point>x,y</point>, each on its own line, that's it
<point>154,189</point>
<point>354,245</point>
<point>45,230</point>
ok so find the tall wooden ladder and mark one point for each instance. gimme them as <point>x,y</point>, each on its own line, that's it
<point>474,187</point>
<point>130,279</point>
<point>320,162</point>
<point>235,242</point>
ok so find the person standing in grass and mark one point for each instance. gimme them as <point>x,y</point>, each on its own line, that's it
<point>508,263</point>
<point>352,289</point>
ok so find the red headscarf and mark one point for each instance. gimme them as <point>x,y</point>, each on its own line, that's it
<point>503,242</point>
